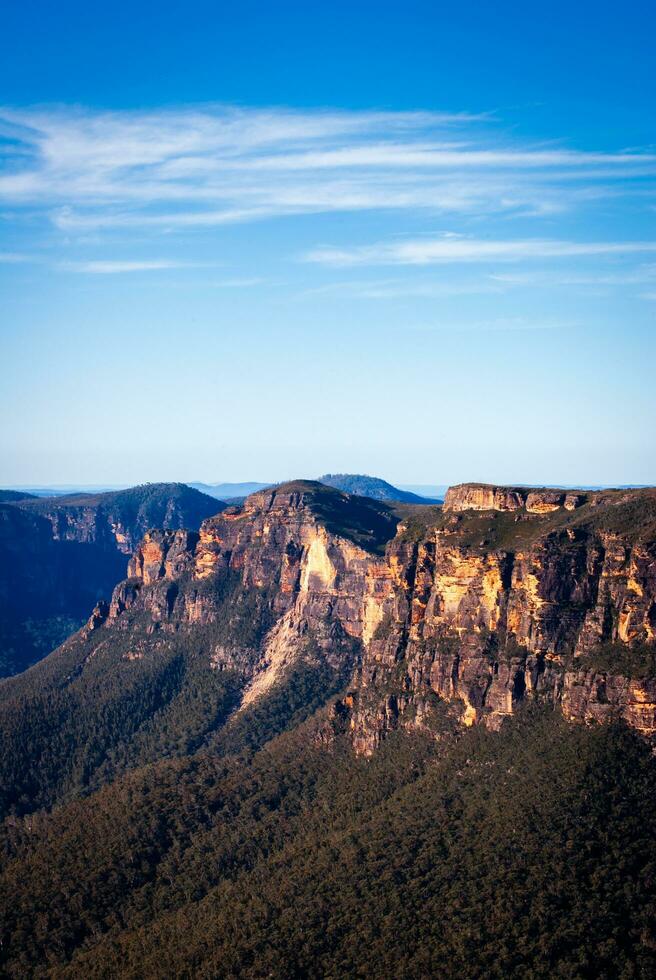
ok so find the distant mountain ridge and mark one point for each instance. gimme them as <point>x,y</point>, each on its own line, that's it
<point>119,518</point>
<point>373,487</point>
<point>13,496</point>
<point>59,555</point>
<point>354,483</point>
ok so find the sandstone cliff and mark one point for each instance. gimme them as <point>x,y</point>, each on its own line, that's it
<point>440,616</point>
<point>485,496</point>
<point>519,602</point>
<point>58,555</point>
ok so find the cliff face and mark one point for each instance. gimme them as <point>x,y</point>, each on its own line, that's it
<point>59,555</point>
<point>484,496</point>
<point>503,607</point>
<point>456,615</point>
<point>118,520</point>
<point>47,586</point>
<point>310,581</point>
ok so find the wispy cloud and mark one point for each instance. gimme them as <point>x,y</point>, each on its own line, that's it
<point>512,323</point>
<point>110,266</point>
<point>456,249</point>
<point>643,273</point>
<point>385,289</point>
<point>218,165</point>
<point>12,258</point>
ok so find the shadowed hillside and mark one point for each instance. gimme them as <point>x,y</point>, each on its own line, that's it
<point>60,555</point>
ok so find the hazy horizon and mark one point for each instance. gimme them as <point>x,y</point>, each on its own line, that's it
<point>426,488</point>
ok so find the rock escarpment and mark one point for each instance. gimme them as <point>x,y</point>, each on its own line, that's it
<point>59,555</point>
<point>117,520</point>
<point>456,615</point>
<point>304,551</point>
<point>501,607</point>
<point>485,496</point>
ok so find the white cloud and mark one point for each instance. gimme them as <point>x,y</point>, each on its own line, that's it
<point>402,288</point>
<point>445,250</point>
<point>216,165</point>
<point>111,266</point>
<point>641,274</point>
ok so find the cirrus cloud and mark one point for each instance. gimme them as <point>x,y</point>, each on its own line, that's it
<point>456,249</point>
<point>216,165</point>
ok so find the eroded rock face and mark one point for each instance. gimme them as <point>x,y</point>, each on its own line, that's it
<point>277,544</point>
<point>162,554</point>
<point>487,627</point>
<point>466,615</point>
<point>60,555</point>
<point>483,496</point>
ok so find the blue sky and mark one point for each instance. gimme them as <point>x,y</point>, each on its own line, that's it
<point>257,241</point>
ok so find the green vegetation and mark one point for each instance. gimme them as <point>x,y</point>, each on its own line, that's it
<point>104,704</point>
<point>418,522</point>
<point>153,825</point>
<point>59,556</point>
<point>146,500</point>
<point>637,661</point>
<point>631,514</point>
<point>97,708</point>
<point>526,853</point>
<point>24,642</point>
<point>368,523</point>
<point>301,692</point>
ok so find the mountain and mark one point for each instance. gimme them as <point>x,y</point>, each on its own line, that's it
<point>422,616</point>
<point>229,491</point>
<point>11,496</point>
<point>327,735</point>
<point>69,489</point>
<point>59,555</point>
<point>372,486</point>
<point>118,519</point>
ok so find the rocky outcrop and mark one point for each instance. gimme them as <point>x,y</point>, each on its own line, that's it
<point>458,616</point>
<point>506,607</point>
<point>279,545</point>
<point>484,496</point>
<point>162,554</point>
<point>60,555</point>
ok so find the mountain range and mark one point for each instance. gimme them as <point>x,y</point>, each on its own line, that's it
<point>64,552</point>
<point>354,483</point>
<point>320,734</point>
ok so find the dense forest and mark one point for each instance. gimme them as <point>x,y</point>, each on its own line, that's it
<point>523,853</point>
